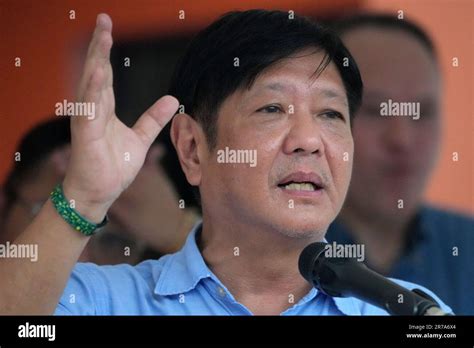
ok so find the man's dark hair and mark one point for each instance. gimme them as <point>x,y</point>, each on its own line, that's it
<point>34,148</point>
<point>206,75</point>
<point>385,21</point>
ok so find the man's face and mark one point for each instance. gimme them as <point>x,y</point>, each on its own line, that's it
<point>393,154</point>
<point>299,127</point>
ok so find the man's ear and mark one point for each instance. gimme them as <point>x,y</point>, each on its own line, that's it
<point>187,138</point>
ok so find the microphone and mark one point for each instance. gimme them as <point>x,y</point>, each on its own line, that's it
<point>346,277</point>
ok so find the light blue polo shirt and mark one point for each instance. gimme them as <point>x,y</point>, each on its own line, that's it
<point>182,284</point>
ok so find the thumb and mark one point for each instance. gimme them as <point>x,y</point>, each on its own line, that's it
<point>150,124</point>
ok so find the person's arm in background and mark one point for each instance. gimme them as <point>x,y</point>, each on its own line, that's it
<point>98,172</point>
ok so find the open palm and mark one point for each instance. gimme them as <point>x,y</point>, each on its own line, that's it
<point>106,154</point>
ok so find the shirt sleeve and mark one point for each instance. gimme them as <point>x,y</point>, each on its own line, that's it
<point>80,295</point>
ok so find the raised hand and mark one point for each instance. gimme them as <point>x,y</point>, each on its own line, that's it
<point>106,154</point>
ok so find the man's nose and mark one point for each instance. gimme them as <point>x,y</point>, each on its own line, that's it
<point>304,135</point>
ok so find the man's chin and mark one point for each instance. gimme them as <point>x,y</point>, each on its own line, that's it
<point>303,228</point>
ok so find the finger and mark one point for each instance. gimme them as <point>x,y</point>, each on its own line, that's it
<point>98,52</point>
<point>92,94</point>
<point>150,124</point>
<point>103,23</point>
<point>101,53</point>
<point>93,90</point>
<point>100,56</point>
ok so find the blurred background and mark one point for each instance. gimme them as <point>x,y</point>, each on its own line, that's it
<point>52,45</point>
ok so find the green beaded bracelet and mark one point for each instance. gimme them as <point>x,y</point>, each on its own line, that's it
<point>72,217</point>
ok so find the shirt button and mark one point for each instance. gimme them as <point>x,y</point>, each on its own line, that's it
<point>221,291</point>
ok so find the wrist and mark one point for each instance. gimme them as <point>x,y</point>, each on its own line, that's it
<point>90,209</point>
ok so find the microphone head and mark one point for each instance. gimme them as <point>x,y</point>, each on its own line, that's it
<point>307,259</point>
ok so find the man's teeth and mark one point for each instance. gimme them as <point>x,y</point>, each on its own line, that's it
<point>305,186</point>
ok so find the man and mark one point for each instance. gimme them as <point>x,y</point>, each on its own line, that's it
<point>258,81</point>
<point>394,156</point>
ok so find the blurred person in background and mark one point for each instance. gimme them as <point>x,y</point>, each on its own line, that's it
<point>41,162</point>
<point>393,160</point>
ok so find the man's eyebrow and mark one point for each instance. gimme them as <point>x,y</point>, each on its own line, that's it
<point>276,86</point>
<point>331,93</point>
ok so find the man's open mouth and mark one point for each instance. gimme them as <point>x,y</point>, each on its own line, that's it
<point>301,181</point>
<point>300,186</point>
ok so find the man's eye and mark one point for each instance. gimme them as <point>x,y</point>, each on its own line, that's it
<point>271,109</point>
<point>333,115</point>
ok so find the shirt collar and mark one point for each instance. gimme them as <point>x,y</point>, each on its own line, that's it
<point>347,305</point>
<point>184,269</point>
